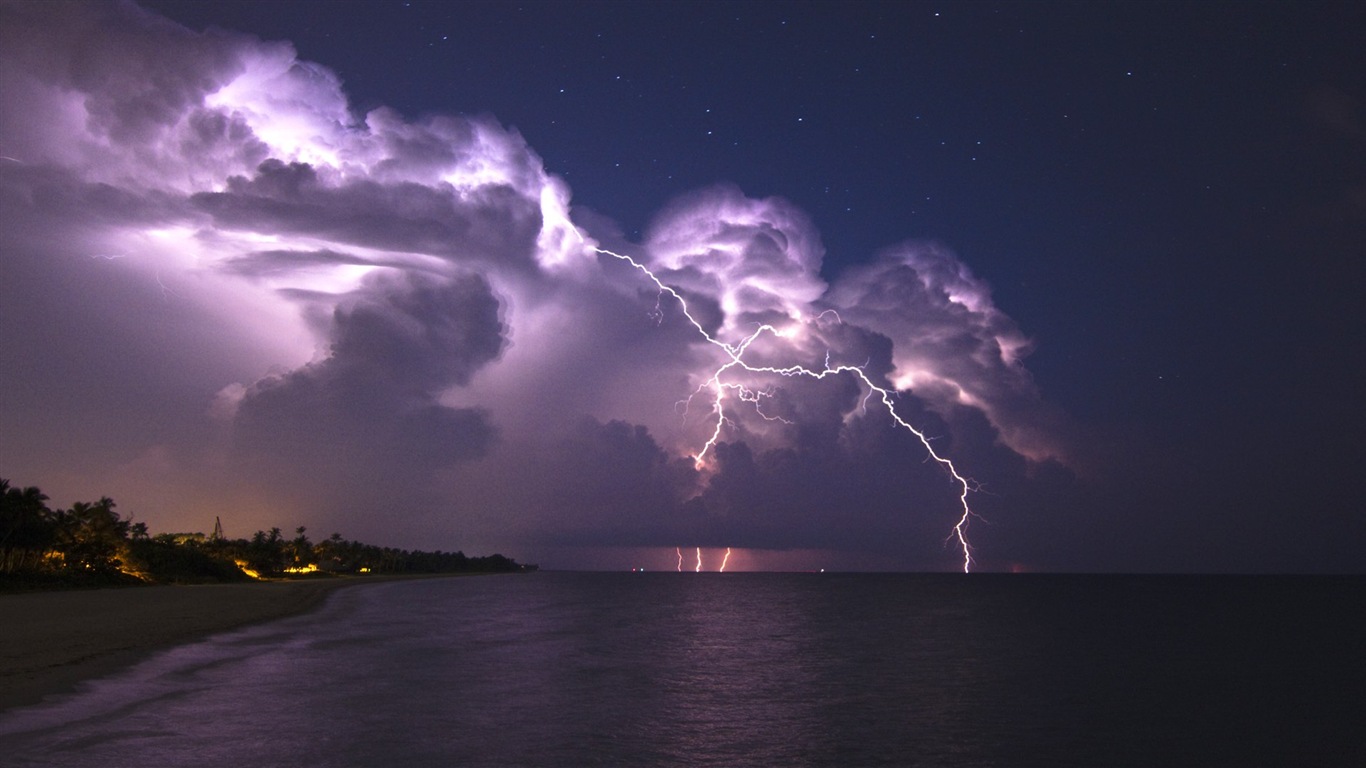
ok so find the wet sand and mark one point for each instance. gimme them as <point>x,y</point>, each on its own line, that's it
<point>51,641</point>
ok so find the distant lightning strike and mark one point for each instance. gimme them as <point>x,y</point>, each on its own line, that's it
<point>165,292</point>
<point>736,353</point>
<point>724,561</point>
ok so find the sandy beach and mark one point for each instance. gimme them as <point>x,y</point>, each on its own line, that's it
<point>51,641</point>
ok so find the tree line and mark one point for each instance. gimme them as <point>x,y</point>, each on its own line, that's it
<point>90,544</point>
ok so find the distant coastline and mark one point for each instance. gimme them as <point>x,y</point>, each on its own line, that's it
<point>91,545</point>
<point>87,591</point>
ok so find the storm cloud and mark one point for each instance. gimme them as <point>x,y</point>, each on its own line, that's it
<point>404,327</point>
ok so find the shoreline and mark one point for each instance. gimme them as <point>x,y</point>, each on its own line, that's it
<point>52,641</point>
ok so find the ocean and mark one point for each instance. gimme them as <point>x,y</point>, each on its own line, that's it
<point>748,669</point>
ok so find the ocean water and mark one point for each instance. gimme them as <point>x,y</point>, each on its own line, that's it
<point>584,669</point>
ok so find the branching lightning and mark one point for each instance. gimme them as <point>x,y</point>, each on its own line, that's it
<point>736,361</point>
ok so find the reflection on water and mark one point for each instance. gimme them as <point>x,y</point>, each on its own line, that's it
<point>746,669</point>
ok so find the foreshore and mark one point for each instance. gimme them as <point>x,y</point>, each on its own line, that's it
<point>52,641</point>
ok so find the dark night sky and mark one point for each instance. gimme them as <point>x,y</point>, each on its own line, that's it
<point>1167,200</point>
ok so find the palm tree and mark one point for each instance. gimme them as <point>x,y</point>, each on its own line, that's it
<point>301,549</point>
<point>266,552</point>
<point>26,527</point>
<point>92,537</point>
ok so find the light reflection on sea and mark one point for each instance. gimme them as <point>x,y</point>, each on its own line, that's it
<point>561,669</point>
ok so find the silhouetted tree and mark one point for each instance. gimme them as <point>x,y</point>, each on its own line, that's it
<point>300,549</point>
<point>266,552</point>
<point>92,537</point>
<point>93,543</point>
<point>26,528</point>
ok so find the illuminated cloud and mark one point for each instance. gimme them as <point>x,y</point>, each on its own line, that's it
<point>951,345</point>
<point>758,260</point>
<point>397,325</point>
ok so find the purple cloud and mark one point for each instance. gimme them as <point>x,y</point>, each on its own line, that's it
<point>405,327</point>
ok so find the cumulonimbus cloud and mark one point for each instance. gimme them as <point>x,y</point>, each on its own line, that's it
<point>443,331</point>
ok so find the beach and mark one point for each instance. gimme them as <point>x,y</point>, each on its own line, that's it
<point>51,641</point>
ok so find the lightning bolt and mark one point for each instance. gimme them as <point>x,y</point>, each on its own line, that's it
<point>679,550</point>
<point>699,561</point>
<point>724,560</point>
<point>736,360</point>
<point>166,293</point>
